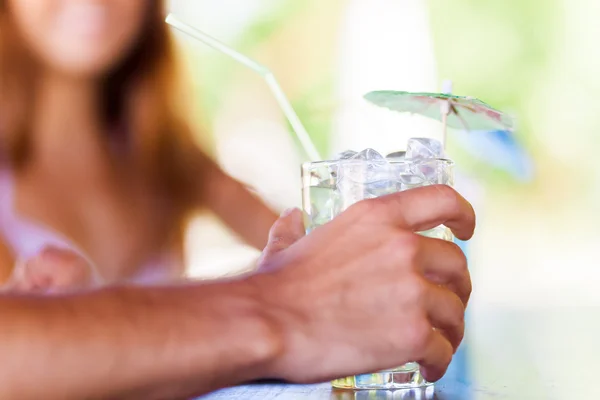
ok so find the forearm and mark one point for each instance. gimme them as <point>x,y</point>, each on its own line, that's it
<point>133,343</point>
<point>244,212</point>
<point>251,219</point>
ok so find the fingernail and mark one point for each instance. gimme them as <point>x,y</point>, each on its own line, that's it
<point>287,212</point>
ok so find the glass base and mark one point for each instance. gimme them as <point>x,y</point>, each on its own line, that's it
<point>405,377</point>
<point>422,393</point>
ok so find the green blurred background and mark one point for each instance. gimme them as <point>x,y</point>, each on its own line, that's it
<point>534,59</point>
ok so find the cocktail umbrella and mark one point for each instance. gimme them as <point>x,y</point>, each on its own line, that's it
<point>466,113</point>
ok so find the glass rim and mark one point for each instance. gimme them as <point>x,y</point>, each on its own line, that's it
<point>325,163</point>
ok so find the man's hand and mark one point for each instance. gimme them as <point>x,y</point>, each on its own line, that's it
<point>365,292</point>
<point>359,294</point>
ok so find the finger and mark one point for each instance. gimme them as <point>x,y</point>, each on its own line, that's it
<point>286,231</point>
<point>34,276</point>
<point>446,313</point>
<point>436,356</point>
<point>65,269</point>
<point>425,208</point>
<point>24,285</point>
<point>444,263</point>
<point>20,280</point>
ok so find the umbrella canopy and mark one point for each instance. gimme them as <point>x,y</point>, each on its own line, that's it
<point>466,113</point>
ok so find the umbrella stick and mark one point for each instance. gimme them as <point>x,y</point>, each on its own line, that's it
<point>444,126</point>
<point>445,108</point>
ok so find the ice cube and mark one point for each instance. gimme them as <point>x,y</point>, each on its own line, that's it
<point>403,175</point>
<point>397,155</point>
<point>369,155</point>
<point>433,172</point>
<point>424,149</point>
<point>345,155</point>
<point>350,184</point>
<point>364,167</point>
<point>381,178</point>
<point>365,175</point>
<point>375,167</point>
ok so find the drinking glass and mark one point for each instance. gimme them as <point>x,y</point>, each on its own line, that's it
<point>330,187</point>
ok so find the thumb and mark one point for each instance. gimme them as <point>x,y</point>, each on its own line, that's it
<point>285,231</point>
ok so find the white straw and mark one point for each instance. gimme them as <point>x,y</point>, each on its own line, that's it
<point>263,71</point>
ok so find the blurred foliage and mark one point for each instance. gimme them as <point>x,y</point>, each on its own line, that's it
<point>496,51</point>
<point>316,119</point>
<point>216,70</point>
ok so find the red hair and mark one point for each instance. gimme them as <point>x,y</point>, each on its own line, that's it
<point>139,111</point>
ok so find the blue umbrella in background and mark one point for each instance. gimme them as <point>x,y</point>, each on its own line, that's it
<point>499,149</point>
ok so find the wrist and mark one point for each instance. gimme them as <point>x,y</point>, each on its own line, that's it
<point>253,337</point>
<point>286,324</point>
<point>205,336</point>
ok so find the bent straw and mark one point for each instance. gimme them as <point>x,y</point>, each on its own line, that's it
<point>264,72</point>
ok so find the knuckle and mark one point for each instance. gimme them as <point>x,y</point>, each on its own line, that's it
<point>446,191</point>
<point>276,228</point>
<point>406,247</point>
<point>455,325</point>
<point>415,290</point>
<point>458,262</point>
<point>460,335</point>
<point>458,314</point>
<point>418,335</point>
<point>462,270</point>
<point>470,221</point>
<point>460,259</point>
<point>277,241</point>
<point>363,208</point>
<point>468,287</point>
<point>446,360</point>
<point>450,197</point>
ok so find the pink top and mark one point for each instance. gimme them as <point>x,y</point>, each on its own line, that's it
<point>27,239</point>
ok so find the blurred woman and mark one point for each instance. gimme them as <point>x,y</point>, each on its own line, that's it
<point>94,156</point>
